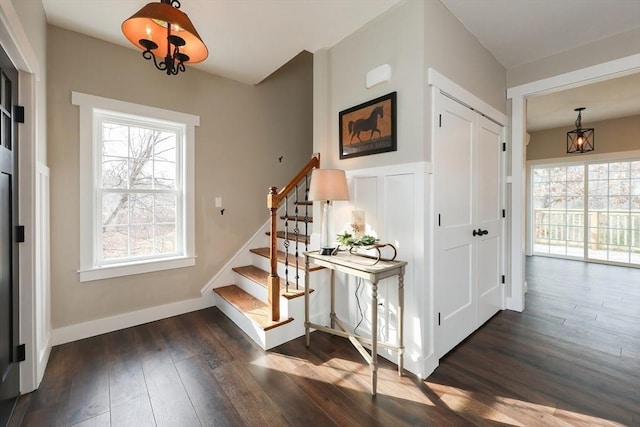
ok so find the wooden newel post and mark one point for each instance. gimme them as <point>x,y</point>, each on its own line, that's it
<point>273,290</point>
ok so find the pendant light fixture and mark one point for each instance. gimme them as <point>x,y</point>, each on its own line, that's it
<point>580,140</point>
<point>166,35</point>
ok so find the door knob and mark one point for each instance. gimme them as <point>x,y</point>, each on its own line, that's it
<point>480,232</point>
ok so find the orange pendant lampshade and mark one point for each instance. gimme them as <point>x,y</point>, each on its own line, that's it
<point>166,35</point>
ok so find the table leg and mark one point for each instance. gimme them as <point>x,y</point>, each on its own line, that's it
<point>306,300</point>
<point>374,337</point>
<point>400,321</point>
<point>332,314</point>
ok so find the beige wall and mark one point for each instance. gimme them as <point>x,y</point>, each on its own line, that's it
<point>458,55</point>
<point>396,39</point>
<point>243,130</point>
<point>609,49</point>
<point>411,37</point>
<point>34,23</point>
<point>611,136</point>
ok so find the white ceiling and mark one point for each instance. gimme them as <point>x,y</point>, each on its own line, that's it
<point>604,100</point>
<point>247,39</point>
<point>521,31</point>
<point>250,39</point>
<point>518,32</point>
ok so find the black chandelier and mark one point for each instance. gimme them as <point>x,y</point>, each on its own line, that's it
<point>580,140</point>
<point>166,35</point>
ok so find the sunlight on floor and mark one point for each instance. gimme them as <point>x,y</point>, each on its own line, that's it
<point>346,374</point>
<point>356,376</point>
<point>474,405</point>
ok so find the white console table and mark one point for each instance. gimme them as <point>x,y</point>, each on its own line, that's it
<point>372,272</point>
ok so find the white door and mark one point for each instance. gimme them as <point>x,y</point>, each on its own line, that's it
<point>453,176</point>
<point>467,178</point>
<point>488,173</point>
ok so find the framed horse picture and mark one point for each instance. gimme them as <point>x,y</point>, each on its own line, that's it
<point>369,128</point>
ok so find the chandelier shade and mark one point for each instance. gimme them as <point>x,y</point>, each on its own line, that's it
<point>166,35</point>
<point>580,140</point>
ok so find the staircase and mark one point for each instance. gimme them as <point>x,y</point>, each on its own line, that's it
<point>249,301</point>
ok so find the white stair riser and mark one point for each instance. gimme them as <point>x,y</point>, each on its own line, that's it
<point>273,337</point>
<point>264,264</point>
<point>243,322</point>
<point>260,292</point>
<point>250,287</point>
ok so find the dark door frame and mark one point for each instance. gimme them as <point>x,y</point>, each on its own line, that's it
<point>9,366</point>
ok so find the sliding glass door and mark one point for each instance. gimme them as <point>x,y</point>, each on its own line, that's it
<point>587,210</point>
<point>614,212</point>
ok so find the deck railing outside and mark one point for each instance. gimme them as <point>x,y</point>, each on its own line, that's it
<point>613,230</point>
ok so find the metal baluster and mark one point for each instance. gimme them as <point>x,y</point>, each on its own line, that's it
<point>306,213</point>
<point>286,243</point>
<point>296,231</point>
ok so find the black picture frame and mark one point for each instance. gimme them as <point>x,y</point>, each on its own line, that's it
<point>368,128</point>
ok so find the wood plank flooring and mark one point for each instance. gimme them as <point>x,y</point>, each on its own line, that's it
<point>571,359</point>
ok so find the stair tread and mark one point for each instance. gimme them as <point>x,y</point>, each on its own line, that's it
<point>261,277</point>
<point>280,235</point>
<point>300,218</point>
<point>265,252</point>
<point>304,202</point>
<point>250,306</point>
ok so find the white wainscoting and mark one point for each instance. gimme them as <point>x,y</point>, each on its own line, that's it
<point>42,301</point>
<point>393,198</point>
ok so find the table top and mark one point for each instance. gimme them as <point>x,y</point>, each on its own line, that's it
<point>356,262</point>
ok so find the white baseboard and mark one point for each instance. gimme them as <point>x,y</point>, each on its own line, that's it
<point>43,360</point>
<point>126,320</point>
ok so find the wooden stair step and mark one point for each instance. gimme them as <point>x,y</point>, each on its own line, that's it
<point>280,235</point>
<point>266,253</point>
<point>261,277</point>
<point>304,203</point>
<point>250,306</point>
<point>298,218</point>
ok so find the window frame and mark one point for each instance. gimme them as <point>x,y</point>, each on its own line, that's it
<point>585,161</point>
<point>89,167</point>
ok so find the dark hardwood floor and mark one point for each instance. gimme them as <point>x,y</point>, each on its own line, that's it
<point>572,358</point>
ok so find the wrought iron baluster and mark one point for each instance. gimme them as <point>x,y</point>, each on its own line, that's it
<point>286,243</point>
<point>306,212</point>
<point>296,231</point>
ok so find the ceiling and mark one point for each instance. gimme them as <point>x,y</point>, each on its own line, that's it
<point>604,100</point>
<point>518,32</point>
<point>250,39</point>
<point>247,39</point>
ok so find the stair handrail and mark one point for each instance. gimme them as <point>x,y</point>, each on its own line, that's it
<point>274,200</point>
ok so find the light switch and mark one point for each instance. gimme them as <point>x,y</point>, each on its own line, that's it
<point>218,202</point>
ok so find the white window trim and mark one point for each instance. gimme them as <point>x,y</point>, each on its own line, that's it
<point>620,156</point>
<point>88,158</point>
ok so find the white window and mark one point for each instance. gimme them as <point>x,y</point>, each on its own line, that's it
<point>588,209</point>
<point>136,188</point>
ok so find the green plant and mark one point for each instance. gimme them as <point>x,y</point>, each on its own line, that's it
<point>348,239</point>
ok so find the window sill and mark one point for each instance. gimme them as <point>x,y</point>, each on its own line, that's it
<point>128,269</point>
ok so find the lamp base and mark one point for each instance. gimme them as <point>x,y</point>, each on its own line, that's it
<point>327,251</point>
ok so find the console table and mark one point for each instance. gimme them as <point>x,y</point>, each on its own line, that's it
<point>372,272</point>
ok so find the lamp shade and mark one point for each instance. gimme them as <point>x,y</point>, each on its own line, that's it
<point>150,23</point>
<point>328,184</point>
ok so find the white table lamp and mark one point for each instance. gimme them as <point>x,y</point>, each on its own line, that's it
<point>327,185</point>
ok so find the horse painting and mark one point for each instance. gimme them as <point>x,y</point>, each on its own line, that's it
<point>365,125</point>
